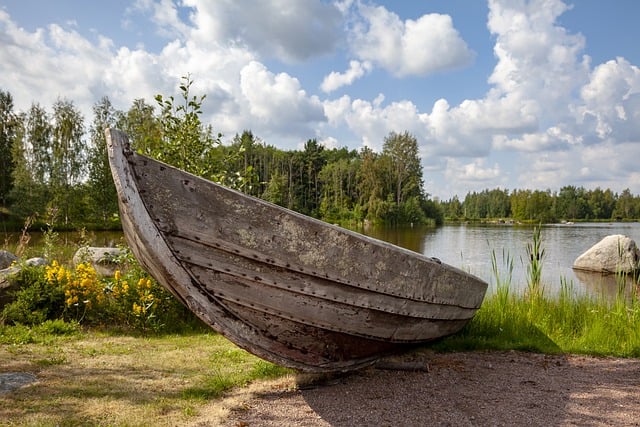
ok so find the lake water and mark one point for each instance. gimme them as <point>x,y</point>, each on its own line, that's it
<point>470,247</point>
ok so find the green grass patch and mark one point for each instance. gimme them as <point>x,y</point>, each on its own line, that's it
<point>98,377</point>
<point>559,324</point>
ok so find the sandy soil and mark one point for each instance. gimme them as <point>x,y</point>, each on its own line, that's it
<point>457,389</point>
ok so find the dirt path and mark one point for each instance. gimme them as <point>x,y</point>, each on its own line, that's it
<point>458,389</point>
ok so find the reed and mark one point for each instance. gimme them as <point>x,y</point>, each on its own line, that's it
<point>535,255</point>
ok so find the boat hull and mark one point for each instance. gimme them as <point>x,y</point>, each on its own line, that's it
<point>291,289</point>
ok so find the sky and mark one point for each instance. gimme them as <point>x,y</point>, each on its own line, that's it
<point>511,94</point>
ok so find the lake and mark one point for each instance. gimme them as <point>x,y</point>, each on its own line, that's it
<point>469,247</point>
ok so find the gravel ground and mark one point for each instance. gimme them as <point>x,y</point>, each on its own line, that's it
<point>456,389</point>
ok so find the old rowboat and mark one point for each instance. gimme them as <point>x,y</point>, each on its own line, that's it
<point>288,288</point>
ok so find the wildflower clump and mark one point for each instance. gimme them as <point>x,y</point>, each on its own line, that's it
<point>130,299</point>
<point>83,289</point>
<point>135,299</point>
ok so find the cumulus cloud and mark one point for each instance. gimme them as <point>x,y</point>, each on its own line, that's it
<point>290,30</point>
<point>49,63</point>
<point>336,80</point>
<point>611,101</point>
<point>278,99</point>
<point>412,47</point>
<point>164,13</point>
<point>477,172</point>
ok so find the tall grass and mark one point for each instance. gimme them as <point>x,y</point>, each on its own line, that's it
<point>564,323</point>
<point>535,255</point>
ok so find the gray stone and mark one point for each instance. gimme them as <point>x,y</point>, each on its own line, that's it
<point>7,288</point>
<point>103,259</point>
<point>36,262</point>
<point>613,254</point>
<point>10,381</point>
<point>6,259</point>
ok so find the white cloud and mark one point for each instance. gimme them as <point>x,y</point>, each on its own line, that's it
<point>50,63</point>
<point>424,46</point>
<point>475,174</point>
<point>291,30</point>
<point>611,101</point>
<point>336,80</point>
<point>164,13</point>
<point>277,99</point>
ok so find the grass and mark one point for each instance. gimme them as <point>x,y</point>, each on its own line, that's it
<point>565,323</point>
<point>91,377</point>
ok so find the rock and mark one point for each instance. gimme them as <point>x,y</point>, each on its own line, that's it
<point>36,262</point>
<point>10,381</point>
<point>6,288</point>
<point>6,259</point>
<point>103,259</point>
<point>613,254</point>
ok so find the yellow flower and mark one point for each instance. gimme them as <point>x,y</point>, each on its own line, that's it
<point>116,275</point>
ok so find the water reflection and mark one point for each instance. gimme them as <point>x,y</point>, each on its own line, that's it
<point>607,285</point>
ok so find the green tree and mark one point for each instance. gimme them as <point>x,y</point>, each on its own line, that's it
<point>405,170</point>
<point>601,203</point>
<point>67,158</point>
<point>370,184</point>
<point>142,127</point>
<point>186,143</point>
<point>32,162</point>
<point>627,206</point>
<point>571,203</point>
<point>276,191</point>
<point>337,181</point>
<point>8,129</point>
<point>103,199</point>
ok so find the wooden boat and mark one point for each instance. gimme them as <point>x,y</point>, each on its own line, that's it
<point>288,288</point>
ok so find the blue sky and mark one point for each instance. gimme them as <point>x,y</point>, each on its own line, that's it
<point>531,94</point>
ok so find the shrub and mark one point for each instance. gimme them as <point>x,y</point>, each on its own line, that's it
<point>36,300</point>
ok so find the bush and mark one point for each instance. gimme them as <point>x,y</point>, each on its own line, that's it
<point>35,300</point>
<point>131,299</point>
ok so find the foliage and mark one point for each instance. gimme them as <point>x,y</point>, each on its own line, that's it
<point>567,324</point>
<point>67,159</point>
<point>535,258</point>
<point>103,200</point>
<point>130,299</point>
<point>39,333</point>
<point>36,299</point>
<point>186,143</point>
<point>8,130</point>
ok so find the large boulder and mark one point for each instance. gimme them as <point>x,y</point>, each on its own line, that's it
<point>613,254</point>
<point>6,259</point>
<point>103,259</point>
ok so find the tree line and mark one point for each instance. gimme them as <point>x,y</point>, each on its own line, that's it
<point>570,203</point>
<point>55,168</point>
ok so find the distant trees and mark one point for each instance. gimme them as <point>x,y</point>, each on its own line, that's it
<point>569,203</point>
